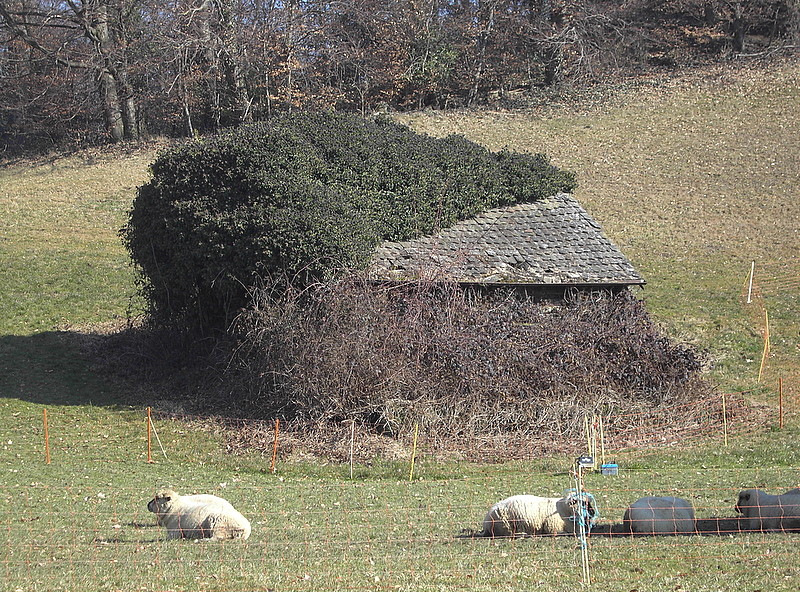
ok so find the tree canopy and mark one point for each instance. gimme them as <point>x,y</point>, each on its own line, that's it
<point>88,71</point>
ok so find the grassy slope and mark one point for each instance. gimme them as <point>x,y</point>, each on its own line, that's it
<point>62,262</point>
<point>691,180</point>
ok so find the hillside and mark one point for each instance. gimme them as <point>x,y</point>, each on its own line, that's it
<point>694,179</point>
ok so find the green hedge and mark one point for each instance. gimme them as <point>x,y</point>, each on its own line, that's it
<point>302,197</point>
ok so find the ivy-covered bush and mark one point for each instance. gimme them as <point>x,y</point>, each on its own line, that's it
<point>301,197</point>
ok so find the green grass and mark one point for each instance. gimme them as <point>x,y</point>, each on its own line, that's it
<point>61,261</point>
<point>80,523</point>
<point>692,179</point>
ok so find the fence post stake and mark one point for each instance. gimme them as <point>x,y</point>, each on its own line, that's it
<point>780,402</point>
<point>352,444</point>
<point>767,347</point>
<point>602,443</point>
<point>413,452</point>
<point>724,421</point>
<point>275,447</point>
<point>588,433</point>
<point>149,437</point>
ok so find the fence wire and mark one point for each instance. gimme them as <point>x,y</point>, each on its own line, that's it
<point>79,529</point>
<point>313,536</point>
<point>771,297</point>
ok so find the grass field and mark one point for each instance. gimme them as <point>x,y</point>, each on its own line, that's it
<point>694,179</point>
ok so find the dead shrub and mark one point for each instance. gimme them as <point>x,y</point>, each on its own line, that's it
<point>459,363</point>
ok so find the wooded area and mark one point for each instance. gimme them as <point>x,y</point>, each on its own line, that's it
<point>74,72</point>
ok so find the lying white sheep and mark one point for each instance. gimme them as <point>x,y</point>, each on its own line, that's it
<point>660,515</point>
<point>198,516</point>
<point>526,515</point>
<point>767,512</point>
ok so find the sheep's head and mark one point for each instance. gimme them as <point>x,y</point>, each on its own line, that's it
<point>583,504</point>
<point>747,499</point>
<point>160,503</point>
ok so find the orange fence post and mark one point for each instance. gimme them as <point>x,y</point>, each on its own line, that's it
<point>46,437</point>
<point>275,446</point>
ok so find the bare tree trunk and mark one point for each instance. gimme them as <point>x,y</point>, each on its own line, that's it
<point>710,14</point>
<point>291,11</point>
<point>207,50</point>
<point>738,26</point>
<point>112,113</point>
<point>130,119</point>
<point>237,90</point>
<point>552,58</point>
<point>229,61</point>
<point>793,25</point>
<point>550,47</point>
<point>483,42</point>
<point>98,31</point>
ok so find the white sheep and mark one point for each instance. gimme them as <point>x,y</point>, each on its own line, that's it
<point>526,515</point>
<point>198,516</point>
<point>766,512</point>
<point>660,515</point>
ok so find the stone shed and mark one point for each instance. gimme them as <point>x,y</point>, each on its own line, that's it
<point>546,249</point>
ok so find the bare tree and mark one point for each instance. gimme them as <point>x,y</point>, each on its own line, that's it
<point>484,29</point>
<point>91,69</point>
<point>79,35</point>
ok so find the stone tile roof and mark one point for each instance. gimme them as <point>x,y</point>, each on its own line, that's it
<point>551,241</point>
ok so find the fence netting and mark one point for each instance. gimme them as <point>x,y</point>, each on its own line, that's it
<point>82,522</point>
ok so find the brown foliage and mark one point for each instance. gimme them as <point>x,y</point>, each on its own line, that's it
<point>102,70</point>
<point>458,363</point>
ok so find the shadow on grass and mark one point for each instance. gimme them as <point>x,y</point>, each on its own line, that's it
<point>705,527</point>
<point>115,367</point>
<point>54,368</point>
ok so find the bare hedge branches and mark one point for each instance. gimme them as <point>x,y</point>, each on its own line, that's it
<point>456,362</point>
